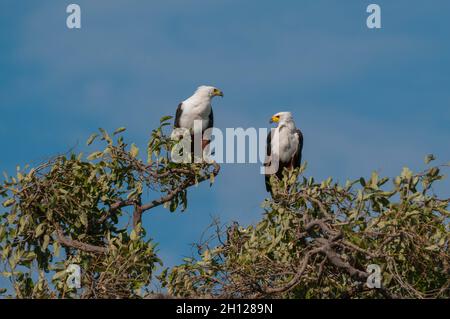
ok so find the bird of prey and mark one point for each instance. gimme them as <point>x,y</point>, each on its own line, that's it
<point>284,144</point>
<point>197,108</point>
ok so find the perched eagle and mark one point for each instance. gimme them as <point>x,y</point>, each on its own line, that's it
<point>197,107</point>
<point>285,144</point>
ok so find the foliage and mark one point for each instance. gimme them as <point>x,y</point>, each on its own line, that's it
<point>72,210</point>
<point>316,240</point>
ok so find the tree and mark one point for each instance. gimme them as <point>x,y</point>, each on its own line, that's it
<point>71,210</point>
<point>315,240</point>
<point>318,239</point>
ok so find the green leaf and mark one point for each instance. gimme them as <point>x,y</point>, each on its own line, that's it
<point>374,180</point>
<point>173,204</point>
<point>434,171</point>
<point>46,242</point>
<point>91,139</point>
<point>362,182</point>
<point>9,202</point>
<point>60,274</point>
<point>2,232</point>
<point>432,248</point>
<point>134,151</point>
<point>406,173</point>
<point>39,230</point>
<point>429,158</point>
<point>119,130</point>
<point>29,256</point>
<point>84,219</point>
<point>106,136</point>
<point>132,193</point>
<point>94,156</point>
<point>133,235</point>
<point>165,118</point>
<point>56,248</point>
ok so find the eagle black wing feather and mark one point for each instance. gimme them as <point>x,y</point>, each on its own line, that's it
<point>269,143</point>
<point>268,153</point>
<point>178,115</point>
<point>297,160</point>
<point>211,119</point>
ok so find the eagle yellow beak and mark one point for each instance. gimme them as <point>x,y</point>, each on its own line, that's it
<point>275,119</point>
<point>217,92</point>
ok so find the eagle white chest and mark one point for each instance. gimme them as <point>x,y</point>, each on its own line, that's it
<point>195,111</point>
<point>284,143</point>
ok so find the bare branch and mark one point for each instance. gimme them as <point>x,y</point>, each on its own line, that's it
<point>68,242</point>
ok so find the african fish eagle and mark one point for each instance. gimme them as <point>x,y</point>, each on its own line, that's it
<point>197,108</point>
<point>285,144</point>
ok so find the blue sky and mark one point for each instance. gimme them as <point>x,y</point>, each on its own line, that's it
<point>364,99</point>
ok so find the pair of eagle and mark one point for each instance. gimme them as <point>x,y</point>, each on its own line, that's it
<point>284,143</point>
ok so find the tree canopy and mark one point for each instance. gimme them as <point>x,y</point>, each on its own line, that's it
<point>318,239</point>
<point>315,240</point>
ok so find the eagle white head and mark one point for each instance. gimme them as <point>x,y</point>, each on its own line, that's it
<point>208,91</point>
<point>282,117</point>
<point>197,107</point>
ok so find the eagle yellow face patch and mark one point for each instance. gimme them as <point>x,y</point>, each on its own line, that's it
<point>275,119</point>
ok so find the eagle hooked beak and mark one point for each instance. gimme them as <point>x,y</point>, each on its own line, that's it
<point>275,119</point>
<point>217,92</point>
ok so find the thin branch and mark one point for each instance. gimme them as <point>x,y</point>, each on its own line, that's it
<point>68,242</point>
<point>295,280</point>
<point>171,195</point>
